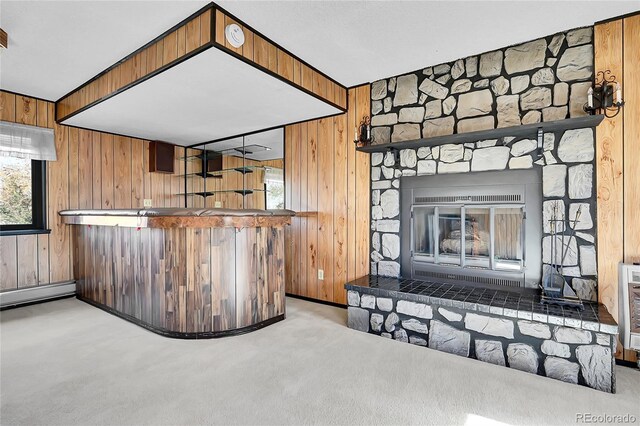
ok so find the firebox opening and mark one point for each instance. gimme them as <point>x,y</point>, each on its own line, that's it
<point>478,228</point>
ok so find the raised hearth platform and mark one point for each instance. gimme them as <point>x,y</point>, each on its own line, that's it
<point>508,328</point>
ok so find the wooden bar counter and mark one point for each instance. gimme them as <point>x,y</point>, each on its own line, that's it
<point>186,273</point>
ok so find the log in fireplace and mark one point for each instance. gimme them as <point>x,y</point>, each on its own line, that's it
<point>478,228</point>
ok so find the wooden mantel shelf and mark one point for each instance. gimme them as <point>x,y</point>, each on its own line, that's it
<point>517,131</point>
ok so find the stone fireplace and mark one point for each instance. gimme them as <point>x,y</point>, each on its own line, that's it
<point>538,81</point>
<point>449,210</point>
<point>566,166</point>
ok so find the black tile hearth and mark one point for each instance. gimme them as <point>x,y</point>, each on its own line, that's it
<point>523,304</point>
<point>509,328</point>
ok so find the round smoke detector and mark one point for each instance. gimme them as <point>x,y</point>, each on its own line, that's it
<point>234,35</point>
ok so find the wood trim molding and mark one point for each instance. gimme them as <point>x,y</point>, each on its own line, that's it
<point>197,33</point>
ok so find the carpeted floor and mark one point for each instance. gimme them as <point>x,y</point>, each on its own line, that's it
<point>66,362</point>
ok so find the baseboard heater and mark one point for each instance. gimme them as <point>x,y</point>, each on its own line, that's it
<point>36,294</point>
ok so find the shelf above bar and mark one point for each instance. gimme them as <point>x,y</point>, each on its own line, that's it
<point>199,174</point>
<point>217,173</point>
<point>198,157</point>
<point>206,194</point>
<point>517,131</point>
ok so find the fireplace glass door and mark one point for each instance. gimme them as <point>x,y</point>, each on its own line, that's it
<point>488,237</point>
<point>477,236</point>
<point>508,253</point>
<point>424,228</point>
<point>449,241</point>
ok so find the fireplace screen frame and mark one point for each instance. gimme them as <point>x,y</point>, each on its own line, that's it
<point>479,190</point>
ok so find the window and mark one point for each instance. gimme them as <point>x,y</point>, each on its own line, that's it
<point>274,188</point>
<point>22,195</point>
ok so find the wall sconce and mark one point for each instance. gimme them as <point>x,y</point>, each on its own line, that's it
<point>362,135</point>
<point>600,98</point>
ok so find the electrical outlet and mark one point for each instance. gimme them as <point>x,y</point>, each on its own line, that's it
<point>218,204</point>
<point>321,274</point>
<point>147,202</point>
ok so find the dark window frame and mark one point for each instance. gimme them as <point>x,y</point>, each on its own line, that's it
<point>38,204</point>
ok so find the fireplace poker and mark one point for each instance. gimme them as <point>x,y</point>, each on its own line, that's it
<point>573,233</point>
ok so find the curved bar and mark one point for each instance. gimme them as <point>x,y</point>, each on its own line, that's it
<point>186,273</point>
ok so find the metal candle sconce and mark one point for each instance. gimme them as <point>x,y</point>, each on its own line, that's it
<point>362,136</point>
<point>605,96</point>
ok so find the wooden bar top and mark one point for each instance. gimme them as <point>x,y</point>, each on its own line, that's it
<point>179,218</point>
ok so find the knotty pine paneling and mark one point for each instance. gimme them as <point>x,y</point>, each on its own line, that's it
<point>93,170</point>
<point>301,229</point>
<point>340,199</point>
<point>311,191</point>
<point>295,206</point>
<point>327,182</point>
<point>631,54</point>
<point>58,199</point>
<point>361,187</point>
<point>27,251</point>
<point>85,172</point>
<point>107,162</point>
<point>326,193</point>
<point>288,186</point>
<point>8,262</point>
<point>122,172</point>
<point>617,161</point>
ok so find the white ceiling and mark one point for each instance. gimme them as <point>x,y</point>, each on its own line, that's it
<point>271,139</point>
<point>57,45</point>
<point>209,96</point>
<point>362,41</point>
<point>54,46</point>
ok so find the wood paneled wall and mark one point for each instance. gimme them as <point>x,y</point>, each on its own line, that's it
<point>617,44</point>
<point>189,38</point>
<point>328,182</point>
<point>178,44</point>
<point>94,170</point>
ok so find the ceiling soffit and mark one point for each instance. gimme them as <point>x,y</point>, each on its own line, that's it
<point>191,37</point>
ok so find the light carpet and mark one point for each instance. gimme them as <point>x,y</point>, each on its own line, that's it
<point>66,362</point>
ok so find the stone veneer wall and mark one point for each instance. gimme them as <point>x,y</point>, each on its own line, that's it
<point>572,355</point>
<point>567,181</point>
<point>542,80</point>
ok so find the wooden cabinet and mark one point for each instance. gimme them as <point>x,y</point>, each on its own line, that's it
<point>161,157</point>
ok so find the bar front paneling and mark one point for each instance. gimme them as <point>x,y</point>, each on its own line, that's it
<point>189,280</point>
